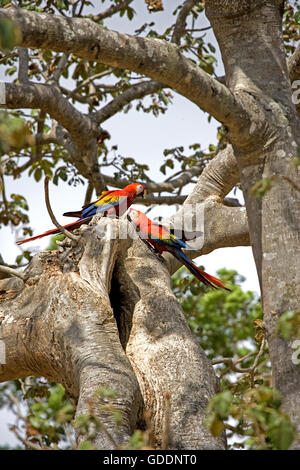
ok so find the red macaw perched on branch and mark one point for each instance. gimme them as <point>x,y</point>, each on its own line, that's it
<point>162,240</point>
<point>109,202</point>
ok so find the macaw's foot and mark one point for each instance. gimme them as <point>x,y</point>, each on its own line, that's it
<point>161,258</point>
<point>154,250</point>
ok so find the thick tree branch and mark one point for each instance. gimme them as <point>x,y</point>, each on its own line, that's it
<point>156,58</point>
<point>50,100</point>
<point>11,272</point>
<point>219,176</point>
<point>135,92</point>
<point>169,200</point>
<point>168,186</point>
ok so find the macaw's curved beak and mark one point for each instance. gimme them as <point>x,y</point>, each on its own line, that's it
<point>144,194</point>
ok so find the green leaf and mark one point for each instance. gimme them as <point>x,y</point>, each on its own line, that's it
<point>65,414</point>
<point>221,403</point>
<point>86,445</point>
<point>37,174</point>
<point>261,187</point>
<point>36,422</point>
<point>56,395</point>
<point>170,163</point>
<point>289,324</point>
<point>216,426</point>
<point>297,16</point>
<point>281,432</point>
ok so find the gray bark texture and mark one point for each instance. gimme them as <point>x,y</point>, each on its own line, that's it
<point>104,315</point>
<point>60,324</point>
<point>268,150</point>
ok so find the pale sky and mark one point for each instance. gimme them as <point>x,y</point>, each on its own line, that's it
<point>143,137</point>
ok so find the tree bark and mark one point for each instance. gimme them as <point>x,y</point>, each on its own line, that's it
<point>274,135</point>
<point>155,58</point>
<point>168,361</point>
<point>62,324</point>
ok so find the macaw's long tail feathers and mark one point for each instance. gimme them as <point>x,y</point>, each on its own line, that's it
<point>204,277</point>
<point>207,278</point>
<point>55,231</point>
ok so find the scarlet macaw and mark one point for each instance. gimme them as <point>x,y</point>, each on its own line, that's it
<point>162,239</point>
<point>109,202</point>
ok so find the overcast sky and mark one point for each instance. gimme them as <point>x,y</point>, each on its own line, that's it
<point>143,137</point>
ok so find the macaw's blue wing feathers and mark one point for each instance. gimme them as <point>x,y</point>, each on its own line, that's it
<point>185,235</point>
<point>90,211</point>
<point>112,203</point>
<point>171,241</point>
<point>172,236</point>
<point>163,240</point>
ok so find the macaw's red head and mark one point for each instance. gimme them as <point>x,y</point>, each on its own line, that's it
<point>136,189</point>
<point>137,217</point>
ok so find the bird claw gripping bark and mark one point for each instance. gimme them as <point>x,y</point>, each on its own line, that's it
<point>154,251</point>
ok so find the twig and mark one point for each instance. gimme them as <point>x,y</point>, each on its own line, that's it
<point>81,8</point>
<point>198,29</point>
<point>137,91</point>
<point>260,353</point>
<point>60,67</point>
<point>181,20</point>
<point>92,78</point>
<point>26,442</point>
<point>11,271</point>
<point>52,216</point>
<point>233,364</point>
<point>111,10</point>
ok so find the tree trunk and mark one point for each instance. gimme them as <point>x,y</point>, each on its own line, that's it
<point>259,76</point>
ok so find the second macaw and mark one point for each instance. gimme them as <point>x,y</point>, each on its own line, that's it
<point>162,239</point>
<point>115,202</point>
